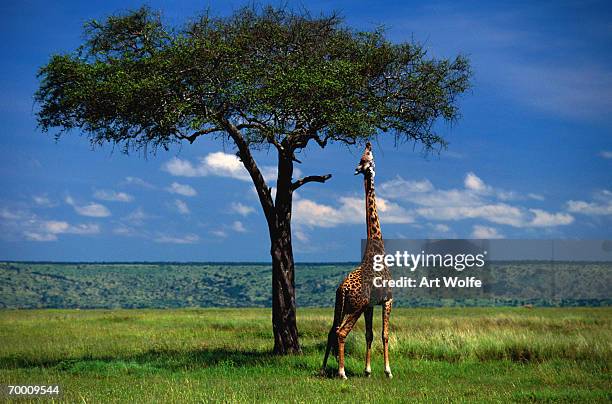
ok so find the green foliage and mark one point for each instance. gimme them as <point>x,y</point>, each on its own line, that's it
<point>276,74</point>
<point>222,355</point>
<point>165,285</point>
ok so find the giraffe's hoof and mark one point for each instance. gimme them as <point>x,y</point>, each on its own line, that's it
<point>342,375</point>
<point>389,375</point>
<point>367,373</point>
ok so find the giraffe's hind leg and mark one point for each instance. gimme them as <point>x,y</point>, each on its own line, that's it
<point>386,313</point>
<point>345,327</point>
<point>369,335</point>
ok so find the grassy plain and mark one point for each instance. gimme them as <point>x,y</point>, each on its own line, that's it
<point>222,355</point>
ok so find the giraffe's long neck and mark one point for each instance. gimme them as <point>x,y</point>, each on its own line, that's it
<point>372,222</point>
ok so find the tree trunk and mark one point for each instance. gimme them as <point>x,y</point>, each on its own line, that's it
<point>284,323</point>
<point>283,281</point>
<point>278,217</point>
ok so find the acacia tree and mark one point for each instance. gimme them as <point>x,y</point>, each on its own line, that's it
<point>265,77</point>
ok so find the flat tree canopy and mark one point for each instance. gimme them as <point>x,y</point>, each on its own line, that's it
<point>275,74</point>
<point>265,77</point>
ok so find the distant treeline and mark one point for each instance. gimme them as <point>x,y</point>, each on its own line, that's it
<point>171,285</point>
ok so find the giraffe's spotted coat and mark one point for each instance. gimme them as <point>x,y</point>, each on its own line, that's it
<point>356,294</point>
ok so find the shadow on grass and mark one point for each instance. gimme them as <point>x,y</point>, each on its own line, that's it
<point>171,360</point>
<point>154,361</point>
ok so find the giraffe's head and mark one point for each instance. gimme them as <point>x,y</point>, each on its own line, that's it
<point>366,164</point>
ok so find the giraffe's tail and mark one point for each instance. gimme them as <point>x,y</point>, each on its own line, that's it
<point>332,338</point>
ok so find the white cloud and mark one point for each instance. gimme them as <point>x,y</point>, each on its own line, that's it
<point>181,207</point>
<point>507,195</point>
<point>485,232</point>
<point>56,227</point>
<point>391,212</point>
<point>132,225</point>
<point>440,228</point>
<point>181,189</point>
<point>215,164</point>
<point>184,168</point>
<point>311,213</point>
<point>401,188</point>
<point>536,197</point>
<point>48,230</point>
<point>476,201</point>
<point>544,219</point>
<point>237,226</point>
<point>589,208</point>
<point>222,232</point>
<point>91,209</point>
<point>33,236</point>
<point>601,206</point>
<point>607,154</point>
<point>60,227</point>
<point>241,209</point>
<point>219,233</point>
<point>301,236</point>
<point>186,239</point>
<point>43,200</point>
<point>123,230</point>
<point>113,196</point>
<point>136,217</point>
<point>497,213</point>
<point>226,165</point>
<point>83,229</point>
<point>474,183</point>
<point>138,182</point>
<point>350,211</point>
<point>423,193</point>
<point>10,215</point>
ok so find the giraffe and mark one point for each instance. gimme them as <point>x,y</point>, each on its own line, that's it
<point>356,294</point>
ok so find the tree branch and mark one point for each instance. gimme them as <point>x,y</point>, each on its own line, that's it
<point>263,191</point>
<point>254,123</point>
<point>302,139</point>
<point>311,178</point>
<point>191,138</point>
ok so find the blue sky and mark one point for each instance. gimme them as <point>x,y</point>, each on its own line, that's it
<point>530,158</point>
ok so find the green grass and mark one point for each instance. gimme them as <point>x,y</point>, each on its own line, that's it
<point>437,355</point>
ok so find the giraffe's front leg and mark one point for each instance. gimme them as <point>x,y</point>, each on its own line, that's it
<point>385,335</point>
<point>369,313</point>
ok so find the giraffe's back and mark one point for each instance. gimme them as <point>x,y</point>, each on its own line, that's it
<point>358,291</point>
